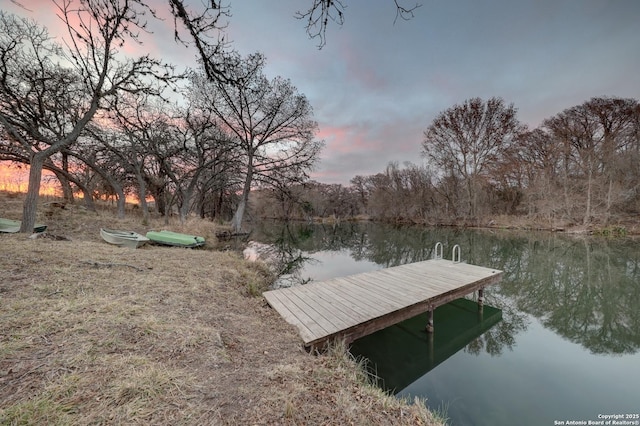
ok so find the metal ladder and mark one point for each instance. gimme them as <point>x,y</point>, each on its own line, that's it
<point>455,253</point>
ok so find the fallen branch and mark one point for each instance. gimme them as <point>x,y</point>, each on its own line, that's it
<point>109,265</point>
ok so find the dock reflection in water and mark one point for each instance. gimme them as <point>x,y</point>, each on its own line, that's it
<point>401,354</point>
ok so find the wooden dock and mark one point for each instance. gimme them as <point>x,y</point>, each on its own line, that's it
<point>357,305</point>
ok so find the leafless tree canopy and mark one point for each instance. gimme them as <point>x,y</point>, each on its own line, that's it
<point>49,93</point>
<point>597,143</point>
<point>468,141</point>
<point>205,30</point>
<point>322,12</point>
<point>271,122</point>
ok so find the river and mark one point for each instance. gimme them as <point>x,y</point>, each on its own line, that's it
<point>559,340</point>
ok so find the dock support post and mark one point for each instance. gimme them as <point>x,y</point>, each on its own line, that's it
<point>431,359</point>
<point>481,297</point>
<point>429,327</point>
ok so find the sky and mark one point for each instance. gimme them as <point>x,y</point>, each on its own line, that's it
<point>377,85</point>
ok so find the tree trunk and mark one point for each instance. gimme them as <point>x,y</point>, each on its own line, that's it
<point>122,200</point>
<point>30,205</point>
<point>236,223</point>
<point>142,196</point>
<point>565,182</point>
<point>67,192</point>
<point>587,213</point>
<point>202,203</point>
<point>609,201</point>
<point>157,192</point>
<point>65,184</point>
<point>88,199</point>
<point>187,197</point>
<point>167,203</point>
<point>469,198</point>
<point>185,206</point>
<point>161,205</point>
<point>219,203</point>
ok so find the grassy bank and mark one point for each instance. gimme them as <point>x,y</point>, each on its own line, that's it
<point>96,334</point>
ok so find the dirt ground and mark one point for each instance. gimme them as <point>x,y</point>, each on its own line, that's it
<point>96,334</point>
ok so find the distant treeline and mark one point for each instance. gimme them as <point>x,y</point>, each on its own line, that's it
<point>581,166</point>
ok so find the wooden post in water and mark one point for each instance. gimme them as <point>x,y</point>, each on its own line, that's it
<point>429,327</point>
<point>481,296</point>
<point>431,359</point>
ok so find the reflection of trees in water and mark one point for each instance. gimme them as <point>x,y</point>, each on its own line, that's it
<point>502,335</point>
<point>586,290</point>
<point>290,257</point>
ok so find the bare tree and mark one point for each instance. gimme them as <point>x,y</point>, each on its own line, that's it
<point>38,77</point>
<point>272,123</point>
<point>469,140</point>
<point>399,194</point>
<point>594,137</point>
<point>154,138</point>
<point>66,168</point>
<point>615,118</point>
<point>539,159</point>
<point>93,150</point>
<point>208,152</point>
<point>322,12</point>
<point>205,30</point>
<point>361,190</point>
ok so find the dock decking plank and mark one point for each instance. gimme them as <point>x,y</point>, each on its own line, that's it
<point>356,305</point>
<point>357,308</point>
<point>371,288</point>
<point>291,314</point>
<point>311,310</point>
<point>333,318</point>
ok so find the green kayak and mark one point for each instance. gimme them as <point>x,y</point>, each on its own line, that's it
<point>13,226</point>
<point>169,238</point>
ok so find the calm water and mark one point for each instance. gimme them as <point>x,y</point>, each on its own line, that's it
<point>562,344</point>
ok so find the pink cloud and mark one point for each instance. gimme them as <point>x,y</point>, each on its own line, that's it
<point>48,15</point>
<point>330,133</point>
<point>360,71</point>
<point>346,139</point>
<point>367,148</point>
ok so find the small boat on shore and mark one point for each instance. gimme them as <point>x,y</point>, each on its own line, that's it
<point>123,238</point>
<point>13,226</point>
<point>169,238</point>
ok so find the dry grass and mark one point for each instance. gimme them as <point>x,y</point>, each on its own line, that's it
<point>96,334</point>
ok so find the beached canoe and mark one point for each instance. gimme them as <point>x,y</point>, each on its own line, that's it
<point>169,238</point>
<point>13,226</point>
<point>123,238</point>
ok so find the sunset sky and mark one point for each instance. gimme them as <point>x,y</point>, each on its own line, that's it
<point>376,86</point>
